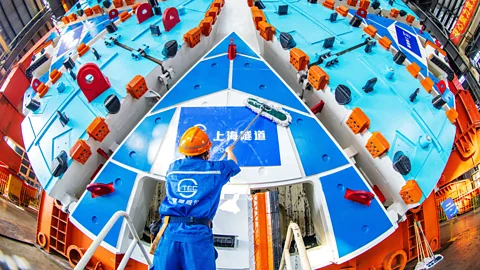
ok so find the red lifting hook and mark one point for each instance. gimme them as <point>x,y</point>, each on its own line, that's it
<point>359,196</point>
<point>99,189</point>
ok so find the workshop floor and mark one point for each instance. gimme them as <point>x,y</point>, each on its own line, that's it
<point>17,237</point>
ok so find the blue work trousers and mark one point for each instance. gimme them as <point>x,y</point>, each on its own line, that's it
<point>173,255</point>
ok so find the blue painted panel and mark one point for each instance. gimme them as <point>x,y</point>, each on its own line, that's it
<point>408,40</point>
<point>258,147</point>
<point>317,151</point>
<point>242,47</point>
<point>198,82</point>
<point>256,78</point>
<point>94,213</point>
<point>140,148</point>
<point>354,225</point>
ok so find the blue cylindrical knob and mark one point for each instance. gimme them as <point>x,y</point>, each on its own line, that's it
<point>390,72</point>
<point>425,141</point>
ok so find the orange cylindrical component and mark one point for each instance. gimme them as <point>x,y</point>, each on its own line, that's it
<point>65,20</point>
<point>42,90</point>
<point>124,16</point>
<point>377,145</point>
<point>317,77</point>
<point>55,75</point>
<point>298,59</point>
<point>97,9</point>
<point>267,31</point>
<point>72,17</point>
<point>98,129</point>
<point>370,30</point>
<point>88,12</point>
<point>118,3</point>
<point>329,4</point>
<point>206,26</point>
<point>342,10</point>
<point>82,49</point>
<point>410,18</point>
<point>137,87</point>
<point>130,2</point>
<point>452,115</point>
<point>260,231</point>
<point>413,69</point>
<point>394,12</point>
<point>385,42</point>
<point>352,2</point>
<point>134,7</point>
<point>364,4</point>
<point>358,121</point>
<point>427,84</point>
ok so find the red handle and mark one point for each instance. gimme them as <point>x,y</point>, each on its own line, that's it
<point>359,196</point>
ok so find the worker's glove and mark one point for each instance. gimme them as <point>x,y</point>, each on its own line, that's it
<point>154,228</point>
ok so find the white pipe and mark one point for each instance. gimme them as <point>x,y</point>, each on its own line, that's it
<point>93,247</point>
<point>127,255</point>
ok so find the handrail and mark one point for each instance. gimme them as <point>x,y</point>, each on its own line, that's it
<point>297,234</point>
<point>93,247</point>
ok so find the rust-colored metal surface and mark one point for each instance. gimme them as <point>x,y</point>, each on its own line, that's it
<point>466,153</point>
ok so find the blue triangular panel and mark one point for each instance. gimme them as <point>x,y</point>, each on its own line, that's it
<point>137,150</point>
<point>256,78</point>
<point>207,77</point>
<point>242,47</point>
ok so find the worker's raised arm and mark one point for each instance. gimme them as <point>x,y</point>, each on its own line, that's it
<point>230,155</point>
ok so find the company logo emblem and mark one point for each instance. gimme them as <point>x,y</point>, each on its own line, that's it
<point>187,188</point>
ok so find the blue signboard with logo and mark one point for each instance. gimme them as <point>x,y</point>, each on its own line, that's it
<point>257,147</point>
<point>408,40</point>
<point>450,208</point>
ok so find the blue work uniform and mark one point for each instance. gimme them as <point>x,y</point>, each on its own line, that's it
<point>193,189</point>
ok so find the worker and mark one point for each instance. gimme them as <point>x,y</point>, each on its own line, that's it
<point>193,186</point>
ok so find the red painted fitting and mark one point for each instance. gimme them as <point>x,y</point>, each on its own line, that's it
<point>232,50</point>
<point>359,196</point>
<point>318,108</point>
<point>99,189</point>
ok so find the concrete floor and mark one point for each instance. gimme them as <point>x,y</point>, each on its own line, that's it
<point>18,229</point>
<point>17,237</point>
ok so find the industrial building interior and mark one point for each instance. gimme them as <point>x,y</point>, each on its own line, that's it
<point>91,92</point>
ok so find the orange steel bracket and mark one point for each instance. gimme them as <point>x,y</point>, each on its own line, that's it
<point>80,151</point>
<point>267,31</point>
<point>364,4</point>
<point>411,192</point>
<point>98,129</point>
<point>466,153</point>
<point>370,30</point>
<point>206,26</point>
<point>137,87</point>
<point>298,59</point>
<point>352,2</point>
<point>55,75</point>
<point>394,12</point>
<point>342,10</point>
<point>385,42</point>
<point>410,18</point>
<point>125,16</point>
<point>377,145</point>
<point>329,4</point>
<point>192,37</point>
<point>82,49</point>
<point>260,231</point>
<point>413,69</point>
<point>427,84</point>
<point>358,121</point>
<point>318,78</point>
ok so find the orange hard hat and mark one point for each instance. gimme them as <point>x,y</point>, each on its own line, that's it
<point>194,142</point>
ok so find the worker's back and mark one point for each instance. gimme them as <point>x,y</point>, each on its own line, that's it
<point>193,190</point>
